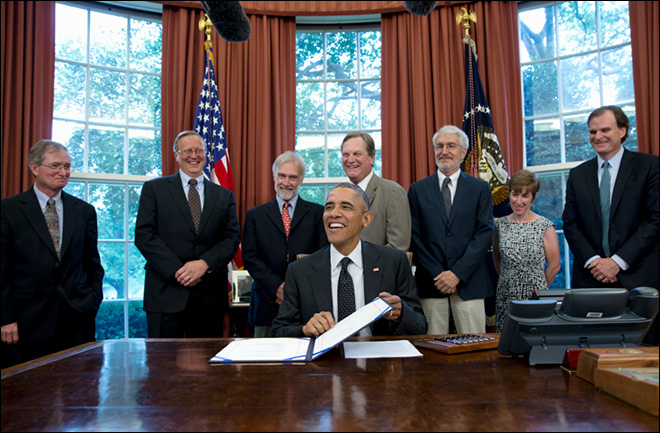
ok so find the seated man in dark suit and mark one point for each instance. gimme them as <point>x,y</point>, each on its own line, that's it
<point>323,288</point>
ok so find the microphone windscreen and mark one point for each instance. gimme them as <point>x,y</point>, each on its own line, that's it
<point>229,20</point>
<point>420,8</point>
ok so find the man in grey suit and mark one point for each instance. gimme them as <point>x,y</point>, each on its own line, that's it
<point>187,230</point>
<point>323,287</point>
<point>387,199</point>
<point>452,215</point>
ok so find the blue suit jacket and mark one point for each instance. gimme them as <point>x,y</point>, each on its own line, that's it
<point>308,291</point>
<point>633,220</point>
<point>459,244</point>
<point>265,251</point>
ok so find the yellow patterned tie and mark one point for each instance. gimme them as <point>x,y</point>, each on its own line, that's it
<point>53,223</point>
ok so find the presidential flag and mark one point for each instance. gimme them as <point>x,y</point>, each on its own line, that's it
<point>484,157</point>
<point>208,124</point>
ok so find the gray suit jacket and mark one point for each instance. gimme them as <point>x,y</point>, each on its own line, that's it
<point>307,291</point>
<point>389,204</point>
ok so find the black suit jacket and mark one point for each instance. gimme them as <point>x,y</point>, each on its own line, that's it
<point>633,220</point>
<point>459,244</point>
<point>307,291</point>
<point>265,251</point>
<point>165,235</point>
<point>38,289</point>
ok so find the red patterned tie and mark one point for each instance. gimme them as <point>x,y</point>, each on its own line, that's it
<point>286,220</point>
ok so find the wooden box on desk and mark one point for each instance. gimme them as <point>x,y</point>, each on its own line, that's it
<point>618,357</point>
<point>637,386</point>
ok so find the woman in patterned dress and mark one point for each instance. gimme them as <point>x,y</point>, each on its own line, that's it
<point>523,242</point>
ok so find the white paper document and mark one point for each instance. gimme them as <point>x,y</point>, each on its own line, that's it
<point>301,349</point>
<point>380,349</point>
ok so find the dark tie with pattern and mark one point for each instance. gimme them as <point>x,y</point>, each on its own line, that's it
<point>286,220</point>
<point>345,291</point>
<point>446,195</point>
<point>605,207</point>
<point>194,203</point>
<point>53,223</point>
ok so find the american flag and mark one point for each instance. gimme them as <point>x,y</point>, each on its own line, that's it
<point>208,124</point>
<point>484,157</point>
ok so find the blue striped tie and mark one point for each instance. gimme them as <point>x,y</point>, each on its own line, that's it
<point>605,207</point>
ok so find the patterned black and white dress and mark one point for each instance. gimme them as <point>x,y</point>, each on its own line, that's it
<point>522,262</point>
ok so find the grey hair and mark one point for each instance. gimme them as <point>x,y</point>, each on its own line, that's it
<point>451,129</point>
<point>369,144</point>
<point>39,149</point>
<point>184,134</point>
<point>290,156</point>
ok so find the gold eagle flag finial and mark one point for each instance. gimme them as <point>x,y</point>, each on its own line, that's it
<point>464,16</point>
<point>206,25</point>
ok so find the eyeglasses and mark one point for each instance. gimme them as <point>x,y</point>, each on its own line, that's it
<point>188,152</point>
<point>55,168</point>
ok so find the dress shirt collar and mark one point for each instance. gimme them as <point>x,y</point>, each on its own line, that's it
<point>292,204</point>
<point>43,199</point>
<point>355,256</point>
<point>365,181</point>
<point>185,178</point>
<point>614,161</point>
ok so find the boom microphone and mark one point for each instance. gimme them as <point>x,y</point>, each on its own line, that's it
<point>419,8</point>
<point>229,20</point>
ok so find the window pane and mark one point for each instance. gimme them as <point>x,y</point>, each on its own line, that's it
<point>110,321</point>
<point>378,161</point>
<point>69,91</point>
<point>309,56</point>
<point>70,33</point>
<point>108,96</point>
<point>540,89</point>
<point>370,54</point>
<point>342,52</point>
<point>76,189</point>
<point>631,141</point>
<point>146,44</point>
<point>109,203</point>
<point>134,192</point>
<point>112,258</point>
<point>342,106</point>
<point>542,141</point>
<point>615,22</point>
<point>315,194</point>
<point>618,76</point>
<point>107,46</point>
<point>580,83</point>
<point>576,137</point>
<point>335,168</point>
<point>537,34</point>
<point>370,105</point>
<point>549,201</point>
<point>312,149</point>
<point>137,320</point>
<point>144,152</point>
<point>106,150</point>
<point>577,27</point>
<point>144,100</point>
<point>136,271</point>
<point>72,136</point>
<point>309,107</point>
<point>563,278</point>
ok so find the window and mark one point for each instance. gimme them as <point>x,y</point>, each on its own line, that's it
<point>107,113</point>
<point>575,57</point>
<point>337,91</point>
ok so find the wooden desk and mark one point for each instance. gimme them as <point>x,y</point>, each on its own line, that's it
<point>167,385</point>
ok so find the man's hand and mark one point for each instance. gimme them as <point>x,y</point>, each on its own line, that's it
<point>395,302</point>
<point>10,333</point>
<point>318,324</point>
<point>446,282</point>
<point>191,273</point>
<point>605,270</point>
<point>279,294</point>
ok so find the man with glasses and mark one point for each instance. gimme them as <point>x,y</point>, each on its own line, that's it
<point>187,230</point>
<point>52,278</point>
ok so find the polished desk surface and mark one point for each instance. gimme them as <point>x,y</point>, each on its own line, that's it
<point>167,385</point>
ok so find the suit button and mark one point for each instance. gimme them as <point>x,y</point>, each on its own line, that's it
<point>448,233</point>
<point>56,265</point>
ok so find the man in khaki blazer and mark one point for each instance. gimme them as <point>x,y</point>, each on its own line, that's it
<point>388,201</point>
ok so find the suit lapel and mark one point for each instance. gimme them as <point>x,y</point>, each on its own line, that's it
<point>211,197</point>
<point>302,207</point>
<point>71,215</point>
<point>179,197</point>
<point>622,177</point>
<point>321,285</point>
<point>35,217</point>
<point>372,272</point>
<point>591,184</point>
<point>273,212</point>
<point>372,187</point>
<point>433,191</point>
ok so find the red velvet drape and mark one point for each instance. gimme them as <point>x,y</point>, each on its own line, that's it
<point>257,91</point>
<point>423,83</point>
<point>645,41</point>
<point>28,74</point>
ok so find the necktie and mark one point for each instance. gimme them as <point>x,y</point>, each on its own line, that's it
<point>605,207</point>
<point>286,220</point>
<point>53,223</point>
<point>446,195</point>
<point>194,203</point>
<point>345,291</point>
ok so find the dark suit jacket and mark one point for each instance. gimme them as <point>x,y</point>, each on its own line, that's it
<point>633,220</point>
<point>165,235</point>
<point>265,251</point>
<point>459,244</point>
<point>307,291</point>
<point>38,289</point>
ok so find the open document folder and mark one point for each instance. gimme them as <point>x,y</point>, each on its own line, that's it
<point>301,349</point>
